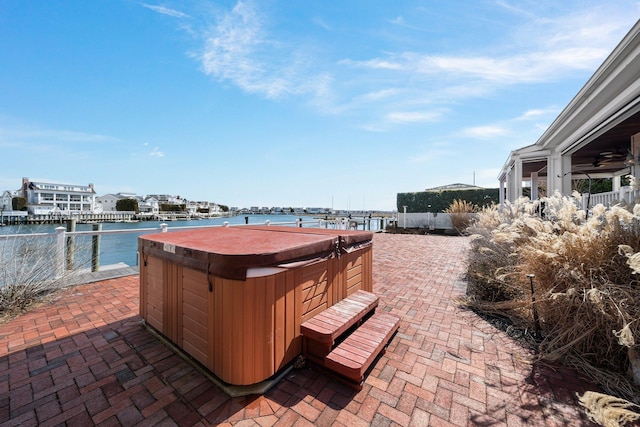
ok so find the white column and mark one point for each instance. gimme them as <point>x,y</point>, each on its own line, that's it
<point>514,183</point>
<point>534,185</point>
<point>559,175</point>
<point>615,182</point>
<point>566,176</point>
<point>501,196</point>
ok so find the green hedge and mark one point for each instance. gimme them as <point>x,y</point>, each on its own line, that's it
<point>170,207</point>
<point>127,205</point>
<point>438,201</point>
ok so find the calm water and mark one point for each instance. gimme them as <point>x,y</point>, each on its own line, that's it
<point>116,248</point>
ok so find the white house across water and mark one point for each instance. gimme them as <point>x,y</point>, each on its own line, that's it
<point>46,197</point>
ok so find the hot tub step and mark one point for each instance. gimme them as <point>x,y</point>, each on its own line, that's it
<point>323,330</point>
<point>353,357</point>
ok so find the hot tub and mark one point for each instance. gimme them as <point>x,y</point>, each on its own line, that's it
<point>233,298</point>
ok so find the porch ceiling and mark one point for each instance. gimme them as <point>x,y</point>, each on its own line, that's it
<point>604,155</point>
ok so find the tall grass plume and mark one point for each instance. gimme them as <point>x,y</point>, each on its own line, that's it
<point>585,285</point>
<point>29,270</point>
<point>461,214</point>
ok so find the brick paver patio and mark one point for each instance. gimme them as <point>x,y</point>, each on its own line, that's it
<point>84,359</point>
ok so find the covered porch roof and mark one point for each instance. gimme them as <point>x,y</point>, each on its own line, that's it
<point>597,134</point>
<point>606,155</point>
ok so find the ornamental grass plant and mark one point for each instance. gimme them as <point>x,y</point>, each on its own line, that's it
<point>585,287</point>
<point>28,271</point>
<point>461,214</point>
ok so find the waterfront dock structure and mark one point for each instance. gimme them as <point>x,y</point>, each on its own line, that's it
<point>20,217</point>
<point>84,358</point>
<point>366,222</point>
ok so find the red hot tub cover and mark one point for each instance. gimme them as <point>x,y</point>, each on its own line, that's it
<point>228,252</point>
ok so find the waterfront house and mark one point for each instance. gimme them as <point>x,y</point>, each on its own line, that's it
<point>596,136</point>
<point>49,197</point>
<point>316,211</point>
<point>148,205</point>
<point>108,202</point>
<point>168,199</point>
<point>196,208</point>
<point>6,200</point>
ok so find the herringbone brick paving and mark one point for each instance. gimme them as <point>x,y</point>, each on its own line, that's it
<point>85,359</point>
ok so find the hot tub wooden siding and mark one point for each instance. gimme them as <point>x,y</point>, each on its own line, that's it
<point>245,331</point>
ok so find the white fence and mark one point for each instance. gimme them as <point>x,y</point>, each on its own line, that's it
<point>63,241</point>
<point>626,194</point>
<point>426,220</point>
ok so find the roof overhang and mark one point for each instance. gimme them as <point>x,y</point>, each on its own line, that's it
<point>599,120</point>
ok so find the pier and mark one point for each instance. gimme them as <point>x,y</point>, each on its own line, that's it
<point>22,217</point>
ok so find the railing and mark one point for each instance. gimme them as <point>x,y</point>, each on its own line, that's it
<point>626,194</point>
<point>65,245</point>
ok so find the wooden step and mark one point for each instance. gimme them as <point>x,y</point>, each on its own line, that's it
<point>352,357</point>
<point>322,330</point>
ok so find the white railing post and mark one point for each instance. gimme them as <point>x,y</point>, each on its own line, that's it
<point>60,243</point>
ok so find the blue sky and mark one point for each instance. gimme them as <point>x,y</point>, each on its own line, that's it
<point>309,103</point>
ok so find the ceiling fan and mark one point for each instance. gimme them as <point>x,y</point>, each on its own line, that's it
<point>606,158</point>
<point>614,155</point>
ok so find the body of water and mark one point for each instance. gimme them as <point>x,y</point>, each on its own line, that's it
<point>123,247</point>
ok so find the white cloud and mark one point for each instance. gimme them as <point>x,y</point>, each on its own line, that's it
<point>429,156</point>
<point>414,116</point>
<point>513,9</point>
<point>490,173</point>
<point>536,66</point>
<point>238,49</point>
<point>17,134</point>
<point>379,95</point>
<point>485,132</point>
<point>377,63</point>
<point>245,49</point>
<point>371,127</point>
<point>539,50</point>
<point>156,152</point>
<point>537,113</point>
<point>322,24</point>
<point>166,11</point>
